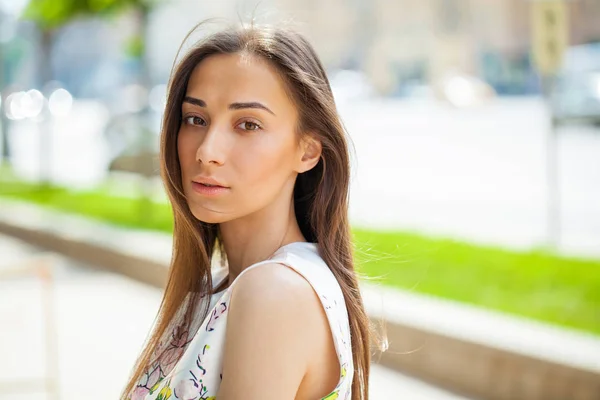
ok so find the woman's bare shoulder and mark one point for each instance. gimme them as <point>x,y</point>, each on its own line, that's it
<point>276,322</point>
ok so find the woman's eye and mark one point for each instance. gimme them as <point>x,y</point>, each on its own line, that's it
<point>193,120</point>
<point>249,126</point>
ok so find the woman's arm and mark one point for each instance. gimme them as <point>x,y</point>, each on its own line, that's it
<point>274,320</point>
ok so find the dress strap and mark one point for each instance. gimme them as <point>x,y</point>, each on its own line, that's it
<point>281,256</point>
<point>258,264</point>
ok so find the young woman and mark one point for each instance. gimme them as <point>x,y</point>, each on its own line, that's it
<point>255,161</point>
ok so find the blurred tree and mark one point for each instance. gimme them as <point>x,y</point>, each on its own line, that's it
<point>50,15</point>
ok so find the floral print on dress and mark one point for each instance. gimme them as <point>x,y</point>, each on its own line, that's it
<point>176,348</point>
<point>191,388</point>
<point>148,384</point>
<point>217,312</point>
<point>165,393</point>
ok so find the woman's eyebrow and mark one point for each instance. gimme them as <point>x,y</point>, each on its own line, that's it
<point>232,106</point>
<point>251,104</point>
<point>194,101</point>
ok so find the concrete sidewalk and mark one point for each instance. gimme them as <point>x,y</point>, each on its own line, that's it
<point>101,320</point>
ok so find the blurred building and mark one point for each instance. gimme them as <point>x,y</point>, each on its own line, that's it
<point>424,39</point>
<point>401,41</point>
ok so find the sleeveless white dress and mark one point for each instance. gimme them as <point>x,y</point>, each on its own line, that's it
<point>191,368</point>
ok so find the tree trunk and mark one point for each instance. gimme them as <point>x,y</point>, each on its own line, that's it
<point>45,130</point>
<point>145,194</point>
<point>3,119</point>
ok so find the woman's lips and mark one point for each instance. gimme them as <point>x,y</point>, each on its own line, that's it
<point>208,190</point>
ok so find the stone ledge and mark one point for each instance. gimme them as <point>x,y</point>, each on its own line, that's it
<point>141,255</point>
<point>477,352</point>
<point>482,353</point>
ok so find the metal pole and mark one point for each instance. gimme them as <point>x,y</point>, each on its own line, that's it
<point>51,340</point>
<point>45,133</point>
<point>3,119</point>
<point>552,162</point>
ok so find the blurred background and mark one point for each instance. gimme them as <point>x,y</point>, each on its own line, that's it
<point>475,195</point>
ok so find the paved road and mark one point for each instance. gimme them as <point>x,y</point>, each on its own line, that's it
<point>100,321</point>
<point>477,174</point>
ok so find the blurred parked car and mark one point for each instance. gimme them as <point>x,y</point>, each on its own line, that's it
<point>350,85</point>
<point>576,93</point>
<point>463,90</point>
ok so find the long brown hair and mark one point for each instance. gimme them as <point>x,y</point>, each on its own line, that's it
<point>320,194</point>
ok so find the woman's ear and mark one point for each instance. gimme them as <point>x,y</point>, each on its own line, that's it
<point>311,149</point>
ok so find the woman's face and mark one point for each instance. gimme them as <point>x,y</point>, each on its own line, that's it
<point>238,129</point>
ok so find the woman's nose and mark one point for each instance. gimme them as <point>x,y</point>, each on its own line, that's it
<point>211,149</point>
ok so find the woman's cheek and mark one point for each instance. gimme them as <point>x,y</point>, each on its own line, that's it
<point>186,148</point>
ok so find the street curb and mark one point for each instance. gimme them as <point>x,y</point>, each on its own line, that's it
<point>425,340</point>
<point>483,372</point>
<point>51,231</point>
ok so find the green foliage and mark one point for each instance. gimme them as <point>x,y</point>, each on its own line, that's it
<point>135,47</point>
<point>533,284</point>
<point>49,14</point>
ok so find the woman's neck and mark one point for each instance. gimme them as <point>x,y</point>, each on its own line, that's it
<point>257,237</point>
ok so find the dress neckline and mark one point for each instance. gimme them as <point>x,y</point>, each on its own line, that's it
<point>311,245</point>
<point>308,244</point>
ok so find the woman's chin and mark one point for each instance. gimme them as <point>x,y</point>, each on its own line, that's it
<point>209,216</point>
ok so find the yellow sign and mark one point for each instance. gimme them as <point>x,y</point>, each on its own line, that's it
<point>550,34</point>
